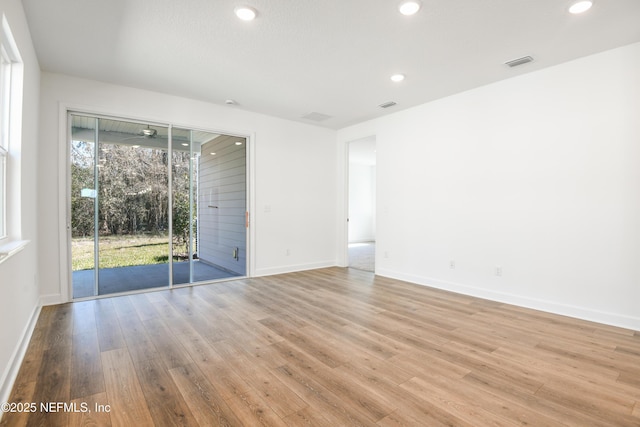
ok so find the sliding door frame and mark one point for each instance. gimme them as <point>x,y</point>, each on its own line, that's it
<point>64,185</point>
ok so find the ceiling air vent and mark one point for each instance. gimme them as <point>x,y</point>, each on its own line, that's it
<point>519,61</point>
<point>316,117</point>
<point>387,104</point>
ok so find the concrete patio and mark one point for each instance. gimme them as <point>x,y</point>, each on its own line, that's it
<point>126,279</point>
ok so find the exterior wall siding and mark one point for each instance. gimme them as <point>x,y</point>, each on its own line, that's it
<point>222,195</point>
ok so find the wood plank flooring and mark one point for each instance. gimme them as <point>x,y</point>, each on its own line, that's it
<point>329,347</point>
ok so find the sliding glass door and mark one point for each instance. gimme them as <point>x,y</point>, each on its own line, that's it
<point>185,183</point>
<point>209,206</point>
<point>133,197</point>
<point>140,214</point>
<point>84,208</point>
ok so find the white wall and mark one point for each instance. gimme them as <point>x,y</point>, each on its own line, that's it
<point>538,175</point>
<point>18,277</point>
<point>293,177</point>
<point>362,199</point>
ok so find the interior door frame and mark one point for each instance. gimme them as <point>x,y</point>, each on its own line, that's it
<point>343,217</point>
<point>64,192</point>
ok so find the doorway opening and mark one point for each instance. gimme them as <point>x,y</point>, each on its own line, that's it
<point>154,206</point>
<point>362,204</point>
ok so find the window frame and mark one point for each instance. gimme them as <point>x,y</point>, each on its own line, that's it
<point>3,194</point>
<point>5,129</point>
<point>11,99</point>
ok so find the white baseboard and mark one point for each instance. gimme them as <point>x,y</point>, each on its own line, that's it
<point>293,268</point>
<point>51,299</point>
<point>583,313</point>
<point>11,373</point>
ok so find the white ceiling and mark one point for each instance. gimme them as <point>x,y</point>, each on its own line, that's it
<point>332,57</point>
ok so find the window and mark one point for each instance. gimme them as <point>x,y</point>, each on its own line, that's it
<point>10,95</point>
<point>3,193</point>
<point>11,75</point>
<point>5,110</point>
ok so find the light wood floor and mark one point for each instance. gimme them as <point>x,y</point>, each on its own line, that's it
<point>330,347</point>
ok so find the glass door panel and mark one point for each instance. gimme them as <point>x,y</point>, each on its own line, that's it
<point>184,209</point>
<point>222,194</point>
<point>83,205</point>
<point>133,219</point>
<point>209,234</point>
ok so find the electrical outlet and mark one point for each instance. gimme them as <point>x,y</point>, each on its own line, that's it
<point>386,254</point>
<point>499,271</point>
<point>287,252</point>
<point>452,264</point>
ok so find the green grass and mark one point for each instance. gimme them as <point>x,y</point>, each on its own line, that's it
<point>120,251</point>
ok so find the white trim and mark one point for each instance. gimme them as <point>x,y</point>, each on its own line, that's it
<point>4,211</point>
<point>582,313</point>
<point>10,249</point>
<point>251,202</point>
<point>12,99</point>
<point>52,299</point>
<point>64,213</point>
<point>13,367</point>
<point>9,41</point>
<point>343,193</point>
<point>343,219</point>
<point>170,235</point>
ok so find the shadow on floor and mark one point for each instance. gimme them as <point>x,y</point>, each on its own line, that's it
<point>126,279</point>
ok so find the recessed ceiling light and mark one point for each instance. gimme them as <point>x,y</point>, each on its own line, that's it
<point>238,143</point>
<point>397,77</point>
<point>213,154</point>
<point>580,6</point>
<point>135,146</point>
<point>185,144</point>
<point>246,13</point>
<point>410,7</point>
